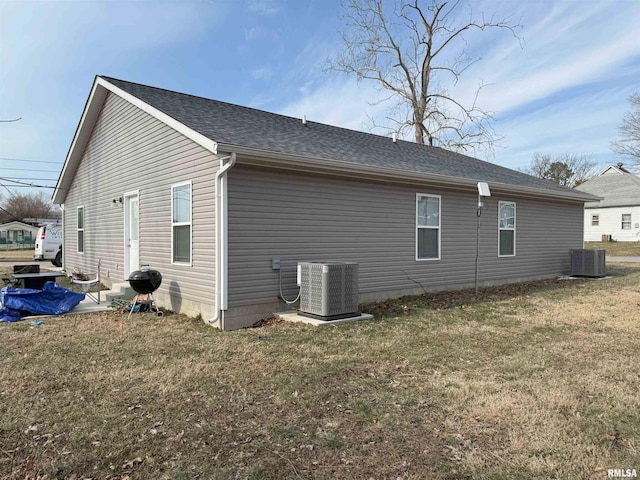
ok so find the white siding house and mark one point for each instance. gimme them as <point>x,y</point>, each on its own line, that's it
<point>618,213</point>
<point>17,232</point>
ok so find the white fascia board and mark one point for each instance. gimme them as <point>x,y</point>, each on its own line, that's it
<point>333,167</point>
<point>88,119</point>
<point>604,170</point>
<point>200,139</point>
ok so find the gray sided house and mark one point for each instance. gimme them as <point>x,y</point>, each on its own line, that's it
<point>209,193</point>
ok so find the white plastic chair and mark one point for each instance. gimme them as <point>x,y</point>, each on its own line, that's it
<point>86,281</point>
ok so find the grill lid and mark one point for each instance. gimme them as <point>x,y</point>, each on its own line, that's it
<point>145,281</point>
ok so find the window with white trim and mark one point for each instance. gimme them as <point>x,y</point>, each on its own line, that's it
<point>181,223</point>
<point>80,229</point>
<point>427,227</point>
<point>506,229</point>
<point>626,221</point>
<point>595,220</point>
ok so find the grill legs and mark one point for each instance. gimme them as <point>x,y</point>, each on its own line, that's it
<point>145,299</point>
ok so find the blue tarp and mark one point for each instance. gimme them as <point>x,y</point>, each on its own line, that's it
<point>53,299</point>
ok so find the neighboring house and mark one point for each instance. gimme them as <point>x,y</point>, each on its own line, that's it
<point>17,232</point>
<point>617,215</point>
<point>209,193</point>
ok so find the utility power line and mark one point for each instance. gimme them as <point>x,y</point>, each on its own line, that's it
<point>28,160</point>
<point>28,185</point>
<point>24,184</point>
<point>28,170</point>
<point>11,215</point>
<point>13,179</point>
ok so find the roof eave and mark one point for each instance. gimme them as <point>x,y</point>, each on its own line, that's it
<point>262,157</point>
<point>89,116</point>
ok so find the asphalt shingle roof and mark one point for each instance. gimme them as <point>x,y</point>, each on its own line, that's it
<point>248,127</point>
<point>616,189</point>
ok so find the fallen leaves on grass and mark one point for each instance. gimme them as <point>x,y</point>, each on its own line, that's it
<point>131,464</point>
<point>267,322</point>
<point>458,298</point>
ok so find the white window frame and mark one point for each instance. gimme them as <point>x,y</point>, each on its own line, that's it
<point>595,220</point>
<point>514,229</point>
<point>78,229</point>
<point>182,224</point>
<point>623,222</point>
<point>439,227</point>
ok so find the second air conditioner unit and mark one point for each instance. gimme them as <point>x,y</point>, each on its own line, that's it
<point>328,290</point>
<point>588,263</point>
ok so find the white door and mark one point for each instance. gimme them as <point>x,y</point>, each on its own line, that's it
<point>132,235</point>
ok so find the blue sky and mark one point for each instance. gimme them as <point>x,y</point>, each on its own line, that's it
<point>562,89</point>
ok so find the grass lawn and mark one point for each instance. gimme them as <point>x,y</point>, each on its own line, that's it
<point>534,381</point>
<point>19,255</point>
<point>617,249</point>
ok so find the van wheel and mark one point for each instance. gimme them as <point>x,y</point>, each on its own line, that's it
<point>58,260</point>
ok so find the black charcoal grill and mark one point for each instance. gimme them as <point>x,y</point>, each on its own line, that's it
<point>144,282</point>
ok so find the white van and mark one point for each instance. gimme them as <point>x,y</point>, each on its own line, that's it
<point>49,244</point>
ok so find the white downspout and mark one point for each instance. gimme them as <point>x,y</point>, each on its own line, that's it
<point>221,238</point>
<point>64,265</point>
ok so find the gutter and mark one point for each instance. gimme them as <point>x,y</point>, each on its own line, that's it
<point>261,157</point>
<point>221,246</point>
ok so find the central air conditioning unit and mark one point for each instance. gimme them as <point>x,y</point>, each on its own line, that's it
<point>328,290</point>
<point>587,263</point>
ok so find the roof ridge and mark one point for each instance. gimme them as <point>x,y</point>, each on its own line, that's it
<point>244,107</point>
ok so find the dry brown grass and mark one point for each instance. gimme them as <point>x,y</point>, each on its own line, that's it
<point>617,249</point>
<point>17,255</point>
<point>536,382</point>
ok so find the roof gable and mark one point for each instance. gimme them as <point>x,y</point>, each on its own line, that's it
<point>616,186</point>
<point>225,127</point>
<point>614,170</point>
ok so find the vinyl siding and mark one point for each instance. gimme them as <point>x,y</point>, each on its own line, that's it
<point>303,217</point>
<point>130,150</point>
<point>610,223</point>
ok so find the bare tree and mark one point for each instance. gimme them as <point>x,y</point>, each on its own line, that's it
<point>629,130</point>
<point>415,52</point>
<point>31,205</point>
<point>569,170</point>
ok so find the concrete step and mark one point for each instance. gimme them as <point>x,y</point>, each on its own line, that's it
<point>120,291</point>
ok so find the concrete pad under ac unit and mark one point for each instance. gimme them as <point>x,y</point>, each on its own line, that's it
<point>295,317</point>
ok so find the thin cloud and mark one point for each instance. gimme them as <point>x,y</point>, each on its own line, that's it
<point>264,73</point>
<point>251,34</point>
<point>264,7</point>
<point>561,49</point>
<point>57,34</point>
<point>340,102</point>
